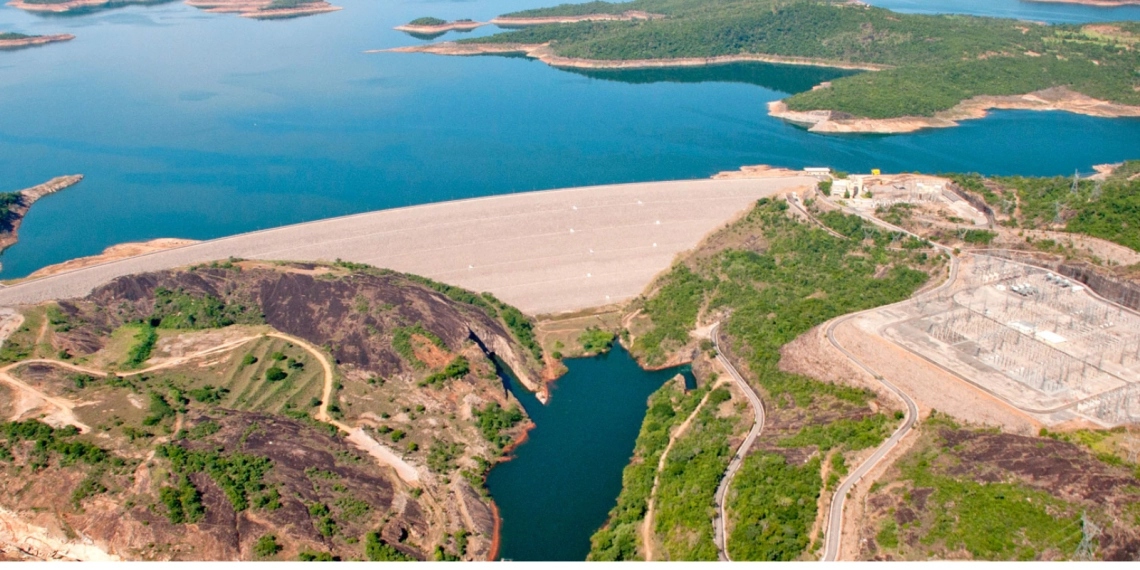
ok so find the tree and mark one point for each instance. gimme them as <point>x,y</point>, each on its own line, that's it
<point>266,546</point>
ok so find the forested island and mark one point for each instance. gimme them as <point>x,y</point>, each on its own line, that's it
<point>928,70</point>
<point>429,27</point>
<point>256,9</point>
<point>11,40</point>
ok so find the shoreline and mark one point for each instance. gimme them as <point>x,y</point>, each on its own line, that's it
<point>1051,99</point>
<point>497,534</point>
<point>1096,3</point>
<point>31,41</point>
<point>543,53</point>
<point>628,15</point>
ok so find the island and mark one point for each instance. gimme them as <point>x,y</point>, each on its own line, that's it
<point>15,205</point>
<point>266,9</point>
<point>12,41</point>
<point>76,6</point>
<point>429,27</point>
<point>923,71</point>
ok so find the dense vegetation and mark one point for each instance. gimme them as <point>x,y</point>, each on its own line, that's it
<point>689,480</point>
<point>1108,209</point>
<point>595,340</point>
<point>931,62</point>
<point>10,36</point>
<point>9,199</point>
<point>288,4</point>
<point>801,277</point>
<point>618,540</point>
<point>427,21</point>
<point>494,420</point>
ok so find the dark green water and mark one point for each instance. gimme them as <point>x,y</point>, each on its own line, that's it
<point>565,478</point>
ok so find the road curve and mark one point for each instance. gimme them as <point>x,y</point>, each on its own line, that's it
<point>719,525</point>
<point>833,535</point>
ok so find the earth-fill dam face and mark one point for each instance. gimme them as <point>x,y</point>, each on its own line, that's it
<point>561,482</point>
<point>191,140</point>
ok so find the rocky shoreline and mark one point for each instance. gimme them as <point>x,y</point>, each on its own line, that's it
<point>545,54</point>
<point>1052,99</point>
<point>9,227</point>
<point>31,41</point>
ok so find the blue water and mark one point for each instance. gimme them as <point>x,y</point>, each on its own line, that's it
<point>565,478</point>
<point>197,125</point>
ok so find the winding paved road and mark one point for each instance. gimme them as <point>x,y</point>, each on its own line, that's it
<point>834,535</point>
<point>719,525</point>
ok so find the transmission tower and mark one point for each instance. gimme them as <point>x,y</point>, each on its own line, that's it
<point>1086,550</point>
<point>1076,180</point>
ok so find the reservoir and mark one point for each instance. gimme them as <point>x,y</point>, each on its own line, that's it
<point>566,477</point>
<point>197,125</point>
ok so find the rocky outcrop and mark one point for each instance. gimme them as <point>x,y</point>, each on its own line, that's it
<point>1052,99</point>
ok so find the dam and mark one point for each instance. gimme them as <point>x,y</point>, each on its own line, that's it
<point>544,252</point>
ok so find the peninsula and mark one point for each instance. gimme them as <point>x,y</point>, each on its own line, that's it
<point>15,205</point>
<point>923,70</point>
<point>12,41</point>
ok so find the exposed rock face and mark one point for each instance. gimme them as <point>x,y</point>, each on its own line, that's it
<point>326,311</point>
<point>1053,99</point>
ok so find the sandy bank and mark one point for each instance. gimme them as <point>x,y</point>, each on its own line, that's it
<point>545,54</point>
<point>442,28</point>
<point>544,252</point>
<point>16,212</point>
<point>1052,99</point>
<point>509,22</point>
<point>113,253</point>
<point>757,171</point>
<point>260,10</point>
<point>34,41</point>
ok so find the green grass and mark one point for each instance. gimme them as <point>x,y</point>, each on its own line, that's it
<point>595,340</point>
<point>934,61</point>
<point>992,521</point>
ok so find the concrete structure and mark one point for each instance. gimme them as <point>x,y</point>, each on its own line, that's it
<point>544,252</point>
